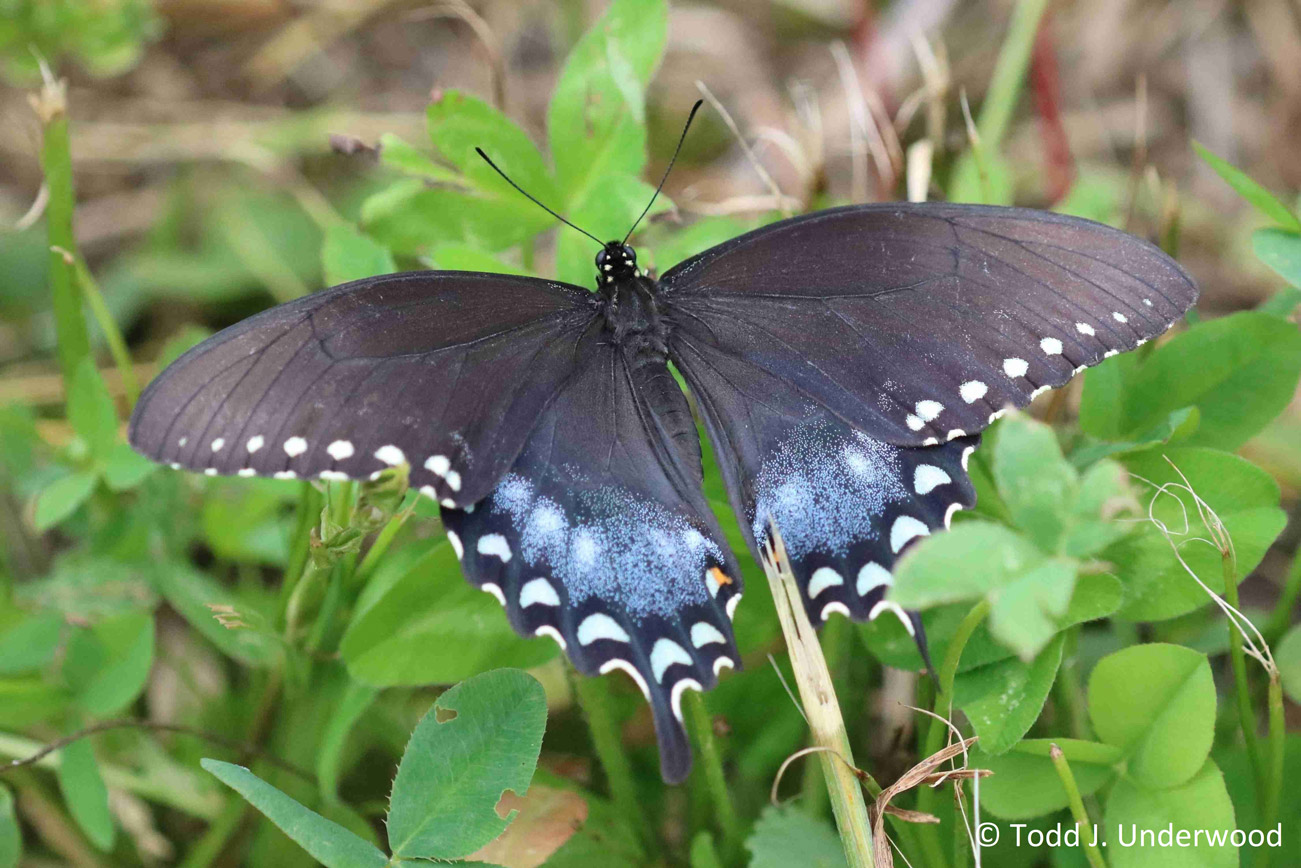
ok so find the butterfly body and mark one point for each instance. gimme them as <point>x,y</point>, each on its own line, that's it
<point>843,363</point>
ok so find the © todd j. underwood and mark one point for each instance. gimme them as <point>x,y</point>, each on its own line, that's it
<point>1133,835</point>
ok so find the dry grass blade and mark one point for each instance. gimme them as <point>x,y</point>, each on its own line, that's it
<point>747,150</point>
<point>919,775</point>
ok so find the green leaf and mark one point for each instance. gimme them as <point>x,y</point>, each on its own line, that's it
<point>459,123</point>
<point>1029,592</point>
<point>91,411</point>
<point>343,716</point>
<point>27,642</point>
<point>1287,654</point>
<point>124,468</point>
<point>108,664</point>
<point>1036,483</point>
<point>24,701</point>
<point>197,597</point>
<point>1243,496</point>
<point>1025,783</point>
<point>1156,703</point>
<point>245,520</point>
<point>61,498</point>
<point>329,843</point>
<point>683,242</point>
<point>785,836</point>
<point>454,772</point>
<point>1003,700</point>
<point>1281,251</point>
<point>1201,804</point>
<point>11,840</point>
<point>397,154</point>
<point>347,254</point>
<point>1240,371</point>
<point>1176,427</point>
<point>85,794</point>
<point>420,622</point>
<point>463,257</point>
<point>608,215</point>
<point>593,131</point>
<point>1261,199</point>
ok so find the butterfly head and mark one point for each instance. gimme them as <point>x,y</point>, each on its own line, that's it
<point>616,262</point>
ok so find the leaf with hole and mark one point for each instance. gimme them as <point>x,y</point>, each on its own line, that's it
<point>455,770</point>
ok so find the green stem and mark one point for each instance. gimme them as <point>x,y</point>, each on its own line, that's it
<point>607,739</point>
<point>309,513</point>
<point>1246,716</point>
<point>1082,823</point>
<point>379,547</point>
<point>56,162</point>
<point>711,761</point>
<point>1277,737</point>
<point>1281,618</point>
<point>934,741</point>
<point>117,347</point>
<point>961,844</point>
<point>821,709</point>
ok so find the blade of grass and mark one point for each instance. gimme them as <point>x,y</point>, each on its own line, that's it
<point>711,761</point>
<point>51,106</point>
<point>821,708</point>
<point>1246,715</point>
<point>1081,816</point>
<point>94,299</point>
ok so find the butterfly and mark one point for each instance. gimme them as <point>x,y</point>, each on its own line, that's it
<point>843,364</point>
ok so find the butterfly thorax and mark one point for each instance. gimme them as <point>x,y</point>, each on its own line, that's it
<point>629,302</point>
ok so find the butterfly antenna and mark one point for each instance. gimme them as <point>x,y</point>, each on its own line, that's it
<point>534,200</point>
<point>695,108</point>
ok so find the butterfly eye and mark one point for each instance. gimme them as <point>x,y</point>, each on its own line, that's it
<point>629,254</point>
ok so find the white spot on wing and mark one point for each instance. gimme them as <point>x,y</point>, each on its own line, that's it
<point>872,576</point>
<point>1039,391</point>
<point>722,663</point>
<point>1119,317</point>
<point>928,477</point>
<point>340,449</point>
<point>731,605</point>
<point>456,544</point>
<point>704,633</point>
<point>390,455</point>
<point>972,391</point>
<point>495,545</point>
<point>218,443</point>
<point>823,578</point>
<point>891,606</point>
<point>210,471</point>
<point>1147,301</point>
<point>453,480</point>
<point>538,592</point>
<point>914,423</point>
<point>337,475</point>
<point>254,443</point>
<point>675,695</point>
<point>247,471</point>
<point>437,464</point>
<point>284,474</point>
<point>601,626</point>
<point>1051,346</point>
<point>548,630</point>
<point>495,590</point>
<point>929,410</point>
<point>295,446</point>
<point>1015,367</point>
<point>834,606</point>
<point>966,455</point>
<point>905,528</point>
<point>616,663</point>
<point>948,514</point>
<point>666,653</point>
<point>1084,328</point>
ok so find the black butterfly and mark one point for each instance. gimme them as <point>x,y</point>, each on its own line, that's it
<point>844,363</point>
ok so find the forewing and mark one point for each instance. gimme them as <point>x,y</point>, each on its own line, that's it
<point>919,323</point>
<point>445,371</point>
<point>600,537</point>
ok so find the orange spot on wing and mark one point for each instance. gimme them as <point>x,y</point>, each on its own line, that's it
<point>719,576</point>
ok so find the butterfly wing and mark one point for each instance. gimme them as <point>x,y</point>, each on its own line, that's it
<point>845,361</point>
<point>918,323</point>
<point>599,536</point>
<point>445,371</point>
